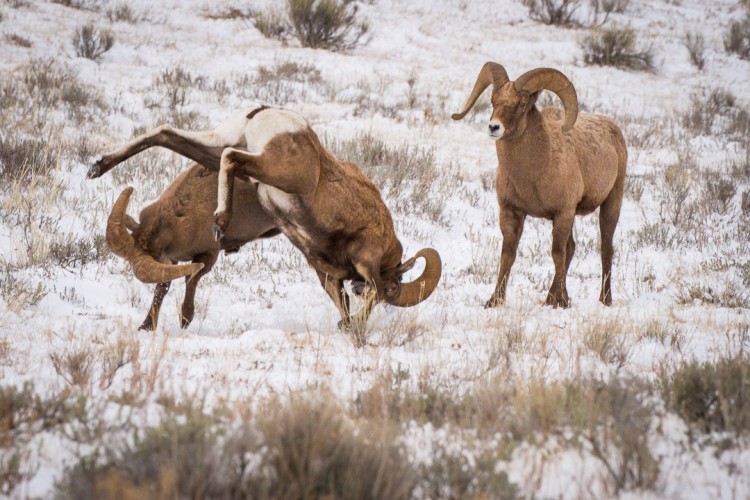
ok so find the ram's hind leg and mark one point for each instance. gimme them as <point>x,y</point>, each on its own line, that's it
<point>204,147</point>
<point>286,163</point>
<point>562,232</point>
<point>609,214</point>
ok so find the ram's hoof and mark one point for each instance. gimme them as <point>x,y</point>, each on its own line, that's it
<point>218,233</point>
<point>494,302</point>
<point>358,287</point>
<point>94,171</point>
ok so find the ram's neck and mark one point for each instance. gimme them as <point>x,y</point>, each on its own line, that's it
<point>526,155</point>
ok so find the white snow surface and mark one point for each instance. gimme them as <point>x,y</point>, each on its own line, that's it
<point>267,327</point>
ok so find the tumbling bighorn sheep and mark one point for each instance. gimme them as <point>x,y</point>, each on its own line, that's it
<point>178,227</point>
<point>328,208</point>
<point>551,168</point>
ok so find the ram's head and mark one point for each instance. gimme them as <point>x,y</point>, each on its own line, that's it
<point>511,101</point>
<point>145,267</point>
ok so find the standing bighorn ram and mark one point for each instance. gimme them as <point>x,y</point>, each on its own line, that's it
<point>178,227</point>
<point>328,208</point>
<point>552,164</point>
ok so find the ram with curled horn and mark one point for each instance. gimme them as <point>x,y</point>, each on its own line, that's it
<point>177,228</point>
<point>552,163</point>
<point>326,207</point>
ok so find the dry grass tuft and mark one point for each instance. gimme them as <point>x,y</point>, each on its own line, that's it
<point>712,397</point>
<point>617,47</point>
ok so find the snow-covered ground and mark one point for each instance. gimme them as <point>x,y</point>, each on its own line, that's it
<point>263,324</point>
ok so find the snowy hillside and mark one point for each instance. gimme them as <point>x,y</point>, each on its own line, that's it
<point>647,398</point>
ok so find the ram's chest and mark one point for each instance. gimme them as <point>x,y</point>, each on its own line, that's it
<point>326,251</point>
<point>289,213</point>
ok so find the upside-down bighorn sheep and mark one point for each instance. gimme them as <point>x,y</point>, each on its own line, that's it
<point>178,227</point>
<point>552,164</point>
<point>328,208</point>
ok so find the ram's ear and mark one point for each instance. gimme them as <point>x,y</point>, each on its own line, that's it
<point>130,223</point>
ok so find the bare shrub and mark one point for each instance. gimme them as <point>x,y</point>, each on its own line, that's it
<point>23,415</point>
<point>612,418</point>
<point>716,113</point>
<point>28,96</point>
<point>19,294</point>
<point>20,157</point>
<point>696,46</point>
<point>229,12</point>
<point>618,6</point>
<point>115,355</point>
<point>674,190</point>
<point>174,86</point>
<point>717,193</point>
<point>283,82</point>
<point>122,12</point>
<point>272,24</point>
<point>389,167</point>
<point>18,40</point>
<point>74,364</point>
<point>737,40</point>
<point>70,252</point>
<point>602,9</point>
<point>455,475</point>
<point>634,187</point>
<point>303,450</point>
<point>91,42</point>
<point>616,47</point>
<point>726,294</point>
<point>92,5</point>
<point>315,453</point>
<point>289,70</point>
<point>179,458</point>
<point>608,341</point>
<point>553,12</point>
<point>326,24</point>
<point>712,397</point>
<point>404,172</point>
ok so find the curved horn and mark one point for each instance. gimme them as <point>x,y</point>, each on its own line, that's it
<point>491,73</point>
<point>551,79</point>
<point>119,239</point>
<point>418,290</point>
<point>145,267</point>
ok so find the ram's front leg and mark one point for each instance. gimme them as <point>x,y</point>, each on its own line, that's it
<point>334,287</point>
<point>187,311</point>
<point>371,295</point>
<point>153,312</point>
<point>204,147</point>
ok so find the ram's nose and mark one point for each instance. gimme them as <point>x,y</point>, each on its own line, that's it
<point>496,129</point>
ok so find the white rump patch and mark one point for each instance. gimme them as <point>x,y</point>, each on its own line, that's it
<point>269,123</point>
<point>231,132</point>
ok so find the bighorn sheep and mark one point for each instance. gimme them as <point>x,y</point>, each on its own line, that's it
<point>551,168</point>
<point>328,208</point>
<point>178,227</point>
